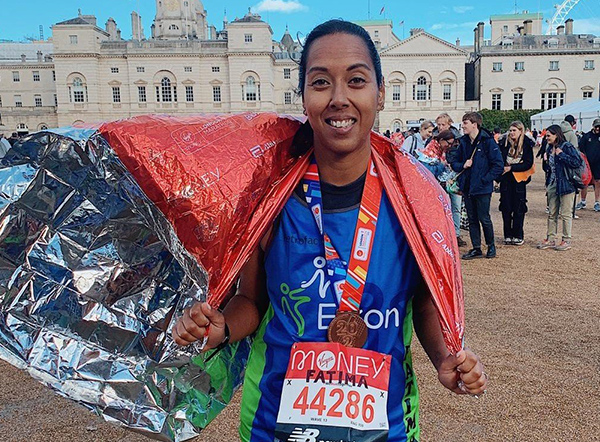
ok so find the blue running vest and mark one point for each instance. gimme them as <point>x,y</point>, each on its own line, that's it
<point>302,304</point>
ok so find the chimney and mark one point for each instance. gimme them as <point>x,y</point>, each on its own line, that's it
<point>560,30</point>
<point>23,58</point>
<point>111,29</point>
<point>40,56</point>
<point>528,24</point>
<point>458,42</point>
<point>569,27</point>
<point>480,27</point>
<point>476,39</point>
<point>136,26</point>
<point>415,31</point>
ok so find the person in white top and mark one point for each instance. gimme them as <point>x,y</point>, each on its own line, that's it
<point>417,142</point>
<point>4,146</point>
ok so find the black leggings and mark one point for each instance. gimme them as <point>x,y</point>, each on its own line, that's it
<point>513,205</point>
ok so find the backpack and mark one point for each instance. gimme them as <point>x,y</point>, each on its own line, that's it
<point>578,176</point>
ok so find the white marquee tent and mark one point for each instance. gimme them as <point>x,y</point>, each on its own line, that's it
<point>584,111</point>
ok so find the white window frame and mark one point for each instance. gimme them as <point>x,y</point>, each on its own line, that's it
<point>287,73</point>
<point>588,95</point>
<point>518,100</point>
<point>114,70</point>
<point>116,94</point>
<point>140,69</point>
<point>37,99</point>
<point>396,93</point>
<point>16,76</point>
<point>73,39</point>
<point>497,66</point>
<point>287,98</point>
<point>36,76</point>
<point>216,69</point>
<point>519,66</point>
<point>248,38</point>
<point>217,94</point>
<point>142,96</point>
<point>554,65</point>
<point>18,101</point>
<point>588,65</point>
<point>496,101</point>
<point>187,69</point>
<point>189,94</point>
<point>447,91</point>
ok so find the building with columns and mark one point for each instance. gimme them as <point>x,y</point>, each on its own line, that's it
<point>88,73</point>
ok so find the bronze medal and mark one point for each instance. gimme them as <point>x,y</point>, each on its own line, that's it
<point>349,329</point>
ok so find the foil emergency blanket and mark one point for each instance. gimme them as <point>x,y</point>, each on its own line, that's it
<point>92,277</point>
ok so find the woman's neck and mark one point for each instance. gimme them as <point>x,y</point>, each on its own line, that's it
<point>340,170</point>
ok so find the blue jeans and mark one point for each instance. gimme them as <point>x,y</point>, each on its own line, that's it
<point>456,204</point>
<point>478,210</point>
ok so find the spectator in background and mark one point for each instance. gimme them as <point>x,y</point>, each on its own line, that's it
<point>568,127</point>
<point>479,162</point>
<point>497,134</point>
<point>397,138</point>
<point>444,122</point>
<point>560,192</point>
<point>417,142</point>
<point>517,153</point>
<point>590,146</point>
<point>4,146</point>
<point>387,133</point>
<point>13,138</point>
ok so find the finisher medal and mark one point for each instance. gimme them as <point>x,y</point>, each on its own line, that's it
<point>349,329</point>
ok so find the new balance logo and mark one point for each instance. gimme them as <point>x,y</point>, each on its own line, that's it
<point>308,435</point>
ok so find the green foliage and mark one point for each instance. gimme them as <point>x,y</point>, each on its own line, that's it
<point>503,118</point>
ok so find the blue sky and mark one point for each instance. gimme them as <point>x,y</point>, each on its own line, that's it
<point>438,17</point>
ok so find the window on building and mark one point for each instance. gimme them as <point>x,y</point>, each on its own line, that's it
<point>587,94</point>
<point>250,89</point>
<point>216,69</point>
<point>73,39</point>
<point>588,65</point>
<point>553,66</point>
<point>18,101</point>
<point>497,66</point>
<point>217,94</point>
<point>55,100</point>
<point>421,91</point>
<point>36,75</point>
<point>142,98</point>
<point>140,69</point>
<point>248,38</point>
<point>287,97</point>
<point>519,66</point>
<point>78,90</point>
<point>447,92</point>
<point>174,28</point>
<point>0,101</point>
<point>116,94</point>
<point>16,76</point>
<point>53,75</point>
<point>505,28</point>
<point>518,101</point>
<point>550,100</point>
<point>187,69</point>
<point>287,73</point>
<point>396,92</point>
<point>38,100</point>
<point>166,90</point>
<point>376,33</point>
<point>496,101</point>
<point>114,70</point>
<point>189,93</point>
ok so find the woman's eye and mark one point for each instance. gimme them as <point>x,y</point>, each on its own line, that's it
<point>319,82</point>
<point>357,80</point>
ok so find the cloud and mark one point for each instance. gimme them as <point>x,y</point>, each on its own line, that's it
<point>285,6</point>
<point>462,9</point>
<point>450,26</point>
<point>586,26</point>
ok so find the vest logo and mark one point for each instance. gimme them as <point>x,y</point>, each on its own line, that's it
<point>308,435</point>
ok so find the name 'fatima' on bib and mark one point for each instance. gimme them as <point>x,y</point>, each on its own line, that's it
<point>348,280</point>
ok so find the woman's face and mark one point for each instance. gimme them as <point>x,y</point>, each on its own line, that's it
<point>341,96</point>
<point>443,125</point>
<point>514,133</point>
<point>551,138</point>
<point>446,144</point>
<point>426,133</point>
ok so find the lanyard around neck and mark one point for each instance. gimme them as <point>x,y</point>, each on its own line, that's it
<point>348,280</point>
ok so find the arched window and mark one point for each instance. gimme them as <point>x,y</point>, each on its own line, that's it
<point>250,88</point>
<point>421,90</point>
<point>78,91</point>
<point>397,124</point>
<point>166,90</point>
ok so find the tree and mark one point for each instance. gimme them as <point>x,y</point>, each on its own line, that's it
<point>503,118</point>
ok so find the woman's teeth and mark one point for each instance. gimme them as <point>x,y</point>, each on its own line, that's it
<point>341,123</point>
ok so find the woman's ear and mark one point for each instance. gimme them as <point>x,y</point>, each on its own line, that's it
<point>381,96</point>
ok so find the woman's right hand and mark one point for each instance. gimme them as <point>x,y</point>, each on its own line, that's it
<point>196,322</point>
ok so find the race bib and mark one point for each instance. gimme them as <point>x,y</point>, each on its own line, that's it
<point>333,392</point>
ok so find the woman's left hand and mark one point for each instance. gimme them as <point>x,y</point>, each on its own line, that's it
<point>506,169</point>
<point>463,373</point>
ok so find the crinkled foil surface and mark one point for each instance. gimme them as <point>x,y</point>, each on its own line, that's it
<point>92,278</point>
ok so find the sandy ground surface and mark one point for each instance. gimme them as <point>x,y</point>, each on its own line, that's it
<point>532,315</point>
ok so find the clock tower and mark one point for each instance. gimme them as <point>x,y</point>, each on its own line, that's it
<point>180,19</point>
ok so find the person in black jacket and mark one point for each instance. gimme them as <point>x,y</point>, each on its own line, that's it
<point>590,146</point>
<point>479,163</point>
<point>517,153</point>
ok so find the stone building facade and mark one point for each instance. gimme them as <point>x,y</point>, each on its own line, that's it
<point>90,74</point>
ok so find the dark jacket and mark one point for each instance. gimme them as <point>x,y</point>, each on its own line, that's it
<point>569,157</point>
<point>590,146</point>
<point>526,159</point>
<point>487,163</point>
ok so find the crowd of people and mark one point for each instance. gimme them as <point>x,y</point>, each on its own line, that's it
<point>471,166</point>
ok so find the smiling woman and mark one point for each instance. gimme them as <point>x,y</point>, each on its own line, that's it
<point>325,348</point>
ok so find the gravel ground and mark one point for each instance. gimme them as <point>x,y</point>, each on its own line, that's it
<point>532,316</point>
